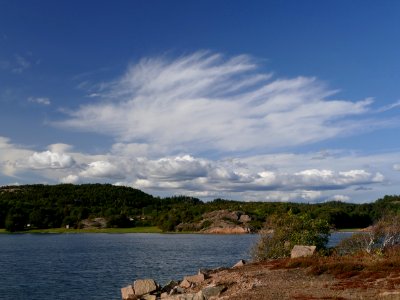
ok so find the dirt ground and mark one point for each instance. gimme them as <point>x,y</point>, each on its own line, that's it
<point>269,281</point>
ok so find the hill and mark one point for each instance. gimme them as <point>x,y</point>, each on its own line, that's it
<point>51,206</point>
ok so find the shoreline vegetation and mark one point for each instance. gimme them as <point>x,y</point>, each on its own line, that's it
<point>108,208</point>
<point>149,229</point>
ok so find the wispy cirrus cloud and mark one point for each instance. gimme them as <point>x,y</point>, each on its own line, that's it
<point>39,100</point>
<point>21,64</point>
<point>390,106</point>
<point>205,102</point>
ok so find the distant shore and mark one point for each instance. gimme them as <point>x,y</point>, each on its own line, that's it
<point>152,229</point>
<point>149,229</point>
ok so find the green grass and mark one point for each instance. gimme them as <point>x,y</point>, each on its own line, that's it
<point>152,229</point>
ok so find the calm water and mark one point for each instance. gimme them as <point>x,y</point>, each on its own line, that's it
<point>96,266</point>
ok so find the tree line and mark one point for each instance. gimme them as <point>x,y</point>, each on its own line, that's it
<point>53,206</point>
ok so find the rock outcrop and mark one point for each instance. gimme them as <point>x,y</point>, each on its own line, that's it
<point>144,286</point>
<point>220,222</point>
<point>194,287</point>
<point>93,223</point>
<point>302,251</point>
<point>128,293</point>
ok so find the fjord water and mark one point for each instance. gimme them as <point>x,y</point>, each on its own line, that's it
<point>96,266</point>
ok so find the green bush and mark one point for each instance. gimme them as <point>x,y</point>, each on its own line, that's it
<point>206,224</point>
<point>282,232</point>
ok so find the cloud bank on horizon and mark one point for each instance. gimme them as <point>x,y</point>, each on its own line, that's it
<point>212,126</point>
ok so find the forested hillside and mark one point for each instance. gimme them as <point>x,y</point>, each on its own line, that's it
<point>51,206</point>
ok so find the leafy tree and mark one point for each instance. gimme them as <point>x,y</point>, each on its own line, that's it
<point>15,221</point>
<point>120,221</point>
<point>284,231</point>
<point>70,221</point>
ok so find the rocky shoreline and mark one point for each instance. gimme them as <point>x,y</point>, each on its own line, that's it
<point>194,287</point>
<point>304,276</point>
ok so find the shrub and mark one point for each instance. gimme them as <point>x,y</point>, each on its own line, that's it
<point>205,224</point>
<point>282,232</point>
<point>383,236</point>
<point>358,242</point>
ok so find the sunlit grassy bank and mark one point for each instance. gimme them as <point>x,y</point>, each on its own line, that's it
<point>362,264</point>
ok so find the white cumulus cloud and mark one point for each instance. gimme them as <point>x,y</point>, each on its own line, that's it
<point>325,179</point>
<point>70,179</point>
<point>342,198</point>
<point>102,169</point>
<point>177,168</point>
<point>341,175</point>
<point>51,160</point>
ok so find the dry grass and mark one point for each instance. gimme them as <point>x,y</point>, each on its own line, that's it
<point>360,276</point>
<point>362,265</point>
<point>308,297</point>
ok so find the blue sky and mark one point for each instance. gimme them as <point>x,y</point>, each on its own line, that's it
<point>267,100</point>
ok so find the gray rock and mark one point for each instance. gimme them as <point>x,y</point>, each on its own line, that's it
<point>302,251</point>
<point>185,284</point>
<point>199,296</point>
<point>240,263</point>
<point>180,290</point>
<point>205,272</point>
<point>177,290</point>
<point>212,291</point>
<point>195,278</point>
<point>244,219</point>
<point>144,286</point>
<point>127,293</point>
<point>148,297</point>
